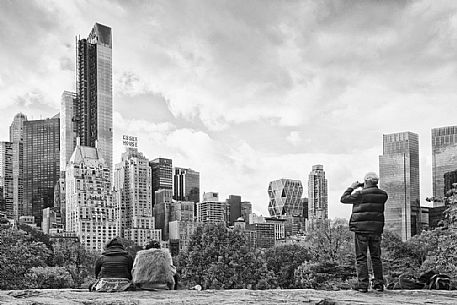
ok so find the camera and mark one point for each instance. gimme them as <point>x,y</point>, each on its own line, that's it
<point>360,184</point>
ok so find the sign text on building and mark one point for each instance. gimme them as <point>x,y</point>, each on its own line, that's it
<point>130,141</point>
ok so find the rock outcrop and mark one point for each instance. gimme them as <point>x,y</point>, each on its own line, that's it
<point>293,296</point>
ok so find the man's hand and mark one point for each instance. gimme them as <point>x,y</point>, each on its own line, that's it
<point>355,185</point>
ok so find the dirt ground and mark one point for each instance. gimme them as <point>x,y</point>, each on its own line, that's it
<point>293,296</point>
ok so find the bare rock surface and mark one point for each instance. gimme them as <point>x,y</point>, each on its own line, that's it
<point>293,296</point>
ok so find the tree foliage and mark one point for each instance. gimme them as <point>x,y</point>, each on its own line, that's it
<point>73,257</point>
<point>19,253</point>
<point>219,258</point>
<point>331,242</point>
<point>283,260</point>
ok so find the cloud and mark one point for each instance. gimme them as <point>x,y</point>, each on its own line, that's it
<point>248,92</point>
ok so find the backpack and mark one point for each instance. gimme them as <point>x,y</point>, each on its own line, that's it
<point>440,282</point>
<point>436,280</point>
<point>409,282</point>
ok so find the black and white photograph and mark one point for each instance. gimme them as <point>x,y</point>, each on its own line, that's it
<point>228,152</point>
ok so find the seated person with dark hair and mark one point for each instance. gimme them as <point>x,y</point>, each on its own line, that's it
<point>113,268</point>
<point>153,268</point>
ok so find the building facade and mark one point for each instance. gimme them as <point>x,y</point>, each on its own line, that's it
<point>246,210</point>
<point>68,128</point>
<point>17,138</point>
<point>399,177</point>
<point>6,180</point>
<point>186,184</point>
<point>449,179</point>
<point>93,109</point>
<point>161,211</point>
<point>285,195</point>
<point>162,174</point>
<point>133,193</point>
<point>317,195</point>
<point>90,213</point>
<point>41,168</point>
<point>211,210</point>
<point>444,158</point>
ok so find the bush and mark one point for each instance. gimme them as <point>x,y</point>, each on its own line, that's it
<point>49,278</point>
<point>323,275</point>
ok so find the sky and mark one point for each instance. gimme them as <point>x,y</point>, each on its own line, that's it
<point>247,92</point>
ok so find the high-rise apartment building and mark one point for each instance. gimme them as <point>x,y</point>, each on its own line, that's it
<point>444,153</point>
<point>17,139</point>
<point>67,128</point>
<point>40,165</point>
<point>90,214</point>
<point>133,191</point>
<point>285,195</point>
<point>210,210</point>
<point>186,184</point>
<point>93,109</point>
<point>6,179</point>
<point>317,195</point>
<point>399,177</point>
<point>162,174</point>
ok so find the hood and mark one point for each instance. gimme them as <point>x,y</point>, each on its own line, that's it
<point>114,251</point>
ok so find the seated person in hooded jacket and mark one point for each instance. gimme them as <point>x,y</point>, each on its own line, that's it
<point>153,268</point>
<point>113,268</point>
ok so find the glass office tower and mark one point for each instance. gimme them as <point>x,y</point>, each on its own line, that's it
<point>399,177</point>
<point>444,152</point>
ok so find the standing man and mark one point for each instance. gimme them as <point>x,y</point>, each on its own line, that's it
<point>367,222</point>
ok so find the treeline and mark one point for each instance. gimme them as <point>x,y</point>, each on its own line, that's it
<point>220,258</point>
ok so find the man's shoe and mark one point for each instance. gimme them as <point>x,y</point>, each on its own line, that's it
<point>378,287</point>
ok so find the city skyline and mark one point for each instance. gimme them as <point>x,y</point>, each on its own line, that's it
<point>249,93</point>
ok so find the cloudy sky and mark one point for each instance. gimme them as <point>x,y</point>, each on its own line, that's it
<point>248,91</point>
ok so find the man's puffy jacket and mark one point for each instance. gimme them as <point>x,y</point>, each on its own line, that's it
<point>367,211</point>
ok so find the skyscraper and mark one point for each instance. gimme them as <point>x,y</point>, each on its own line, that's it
<point>399,177</point>
<point>317,194</point>
<point>186,184</point>
<point>6,179</point>
<point>67,128</point>
<point>93,110</point>
<point>234,203</point>
<point>162,175</point>
<point>17,138</point>
<point>90,212</point>
<point>133,190</point>
<point>285,195</point>
<point>40,165</point>
<point>444,153</point>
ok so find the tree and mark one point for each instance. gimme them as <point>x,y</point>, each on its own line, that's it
<point>219,258</point>
<point>19,253</point>
<point>79,263</point>
<point>284,260</point>
<point>331,241</point>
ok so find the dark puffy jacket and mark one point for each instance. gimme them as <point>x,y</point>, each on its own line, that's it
<point>115,262</point>
<point>367,211</point>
